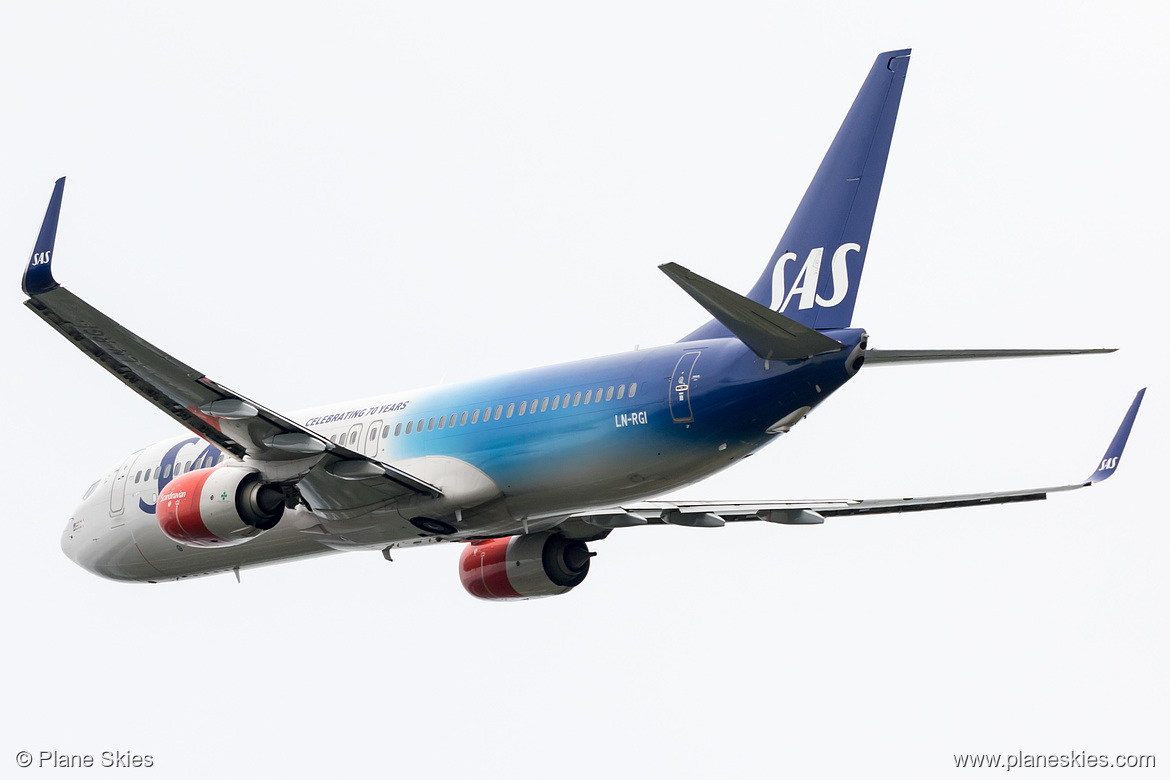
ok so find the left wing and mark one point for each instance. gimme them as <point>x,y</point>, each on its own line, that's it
<point>708,514</point>
<point>331,476</point>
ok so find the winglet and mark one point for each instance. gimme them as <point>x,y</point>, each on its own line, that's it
<point>1113,455</point>
<point>38,276</point>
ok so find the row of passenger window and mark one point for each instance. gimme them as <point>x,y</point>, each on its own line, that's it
<point>535,406</point>
<point>525,408</point>
<point>204,462</point>
<point>548,403</point>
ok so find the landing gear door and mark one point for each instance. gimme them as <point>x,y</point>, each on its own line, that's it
<point>680,388</point>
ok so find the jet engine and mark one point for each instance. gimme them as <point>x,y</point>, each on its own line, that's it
<point>523,567</point>
<point>218,507</point>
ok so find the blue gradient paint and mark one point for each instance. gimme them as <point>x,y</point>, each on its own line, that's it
<point>534,458</point>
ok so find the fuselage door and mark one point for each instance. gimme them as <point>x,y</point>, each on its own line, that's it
<point>371,449</point>
<point>118,489</point>
<point>680,388</point>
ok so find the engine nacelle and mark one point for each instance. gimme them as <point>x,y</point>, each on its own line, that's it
<point>523,567</point>
<point>218,507</point>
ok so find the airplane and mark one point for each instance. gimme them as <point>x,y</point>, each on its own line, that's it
<point>525,469</point>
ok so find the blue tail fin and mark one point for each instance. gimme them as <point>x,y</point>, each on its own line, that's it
<point>815,271</point>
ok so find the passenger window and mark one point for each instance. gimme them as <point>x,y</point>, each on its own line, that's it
<point>621,392</point>
<point>499,411</point>
<point>633,389</point>
<point>409,427</point>
<point>398,429</point>
<point>463,419</point>
<point>451,422</point>
<point>511,408</point>
<point>167,471</point>
<point>556,402</point>
<point>431,424</point>
<point>442,422</point>
<point>523,406</point>
<point>187,466</point>
<point>609,393</point>
<point>137,477</point>
<point>475,417</point>
<point>487,414</point>
<point>597,395</point>
<point>373,433</point>
<point>588,395</point>
<point>532,406</point>
<point>385,431</point>
<point>544,404</point>
<point>419,426</point>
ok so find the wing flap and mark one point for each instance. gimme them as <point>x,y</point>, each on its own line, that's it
<point>761,510</point>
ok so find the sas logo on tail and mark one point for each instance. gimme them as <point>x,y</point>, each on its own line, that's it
<point>41,258</point>
<point>804,286</point>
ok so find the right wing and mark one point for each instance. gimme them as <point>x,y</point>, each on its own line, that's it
<point>707,514</point>
<point>330,476</point>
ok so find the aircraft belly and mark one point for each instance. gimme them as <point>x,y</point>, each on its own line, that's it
<point>168,559</point>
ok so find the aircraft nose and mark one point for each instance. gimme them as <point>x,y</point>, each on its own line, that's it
<point>69,545</point>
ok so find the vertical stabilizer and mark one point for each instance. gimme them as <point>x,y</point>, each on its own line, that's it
<point>815,271</point>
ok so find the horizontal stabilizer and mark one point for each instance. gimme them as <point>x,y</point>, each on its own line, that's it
<point>769,334</point>
<point>877,357</point>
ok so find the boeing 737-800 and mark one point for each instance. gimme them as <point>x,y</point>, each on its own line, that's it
<point>524,469</point>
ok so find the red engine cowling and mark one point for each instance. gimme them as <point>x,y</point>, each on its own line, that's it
<point>218,507</point>
<point>523,567</point>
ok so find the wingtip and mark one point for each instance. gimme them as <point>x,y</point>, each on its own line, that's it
<point>1112,457</point>
<point>38,274</point>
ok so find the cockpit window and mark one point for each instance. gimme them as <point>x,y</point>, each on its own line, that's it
<point>89,492</point>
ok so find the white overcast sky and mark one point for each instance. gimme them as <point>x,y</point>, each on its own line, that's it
<point>317,203</point>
